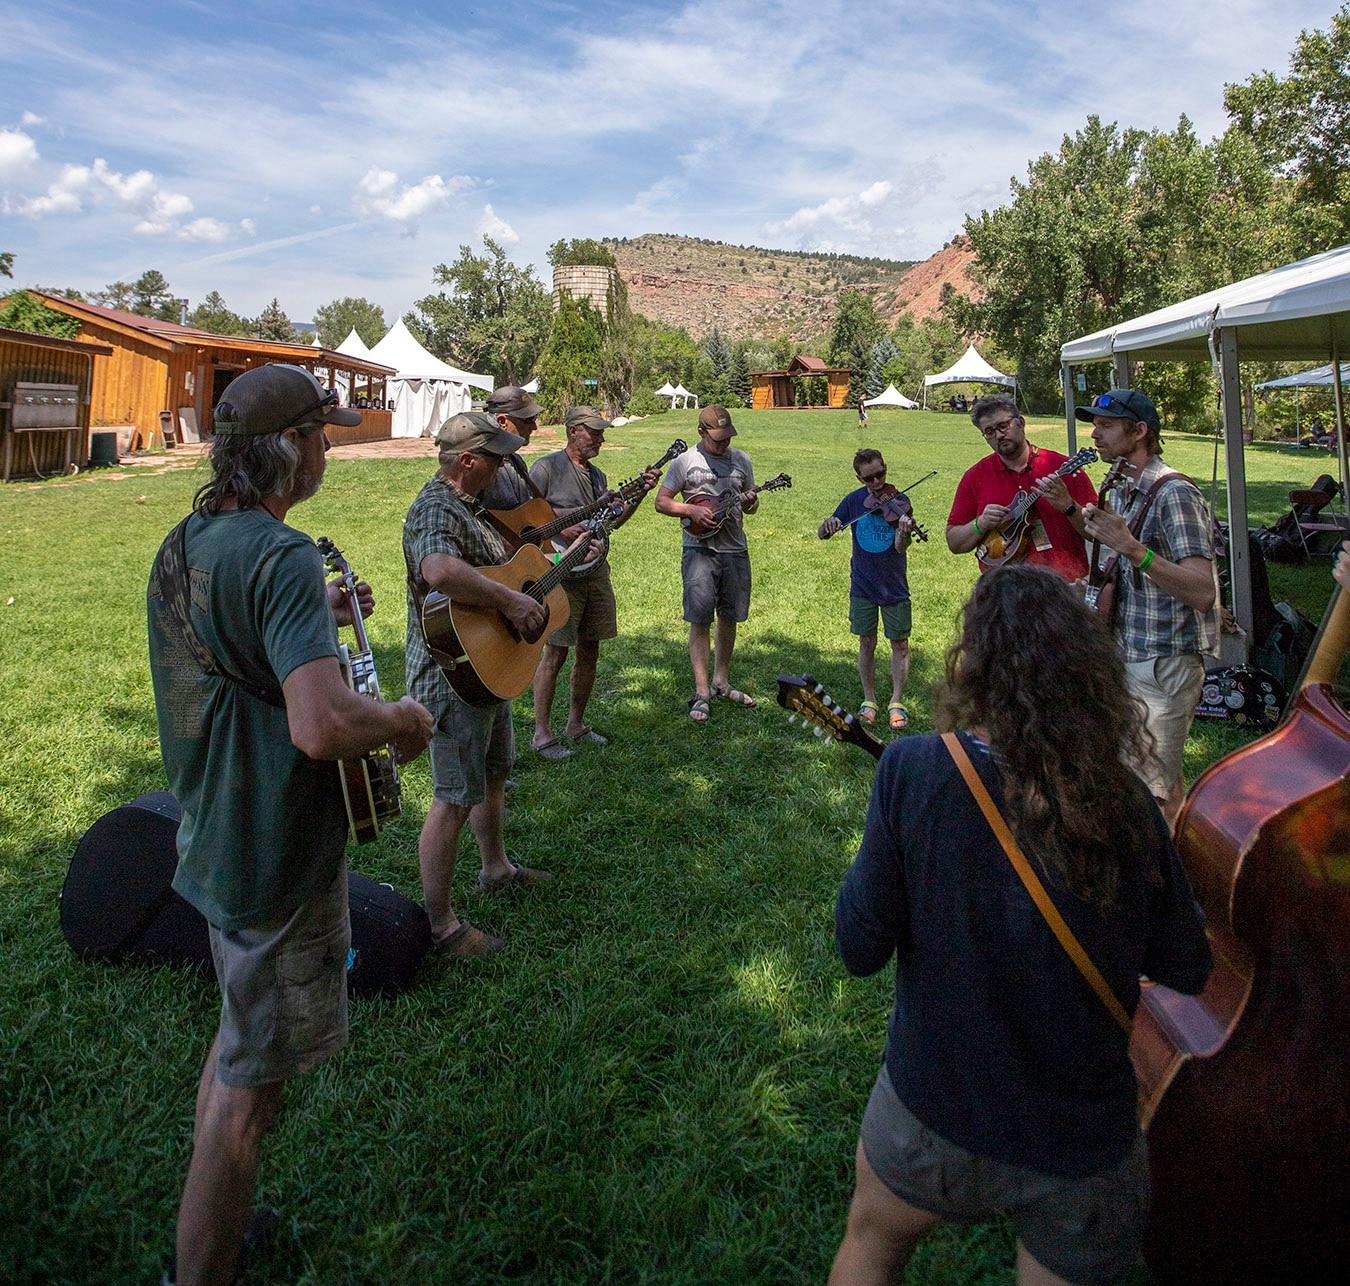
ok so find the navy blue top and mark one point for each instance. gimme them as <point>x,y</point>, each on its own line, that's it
<point>877,569</point>
<point>996,1041</point>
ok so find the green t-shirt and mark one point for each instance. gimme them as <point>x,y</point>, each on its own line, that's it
<point>264,826</point>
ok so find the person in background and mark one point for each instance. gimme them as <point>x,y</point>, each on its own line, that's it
<point>1007,1083</point>
<point>878,583</point>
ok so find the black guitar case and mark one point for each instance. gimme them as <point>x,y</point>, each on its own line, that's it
<point>118,905</point>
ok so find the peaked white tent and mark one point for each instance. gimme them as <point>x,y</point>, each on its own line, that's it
<point>891,397</point>
<point>1300,311</point>
<point>970,368</point>
<point>353,345</point>
<point>680,391</point>
<point>426,391</point>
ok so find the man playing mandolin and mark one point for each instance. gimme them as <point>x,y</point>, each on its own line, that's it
<point>445,538</point>
<point>715,567</point>
<point>569,480</point>
<point>987,490</point>
<point>882,527</point>
<point>252,711</point>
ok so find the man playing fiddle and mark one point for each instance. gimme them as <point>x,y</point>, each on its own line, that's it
<point>882,529</point>
<point>990,486</point>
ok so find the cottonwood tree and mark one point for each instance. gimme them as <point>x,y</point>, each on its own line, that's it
<point>334,322</point>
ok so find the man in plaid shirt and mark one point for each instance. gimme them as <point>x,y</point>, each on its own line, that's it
<point>1167,604</point>
<point>444,540</point>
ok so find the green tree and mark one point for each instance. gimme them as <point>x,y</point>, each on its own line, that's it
<point>738,376</point>
<point>580,251</point>
<point>571,356</point>
<point>152,296</point>
<point>214,315</point>
<point>6,263</point>
<point>856,329</point>
<point>884,353</point>
<point>118,294</point>
<point>718,351</point>
<point>22,311</point>
<point>334,322</point>
<point>272,323</point>
<point>495,317</point>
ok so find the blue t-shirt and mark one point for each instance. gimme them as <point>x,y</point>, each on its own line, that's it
<point>877,570</point>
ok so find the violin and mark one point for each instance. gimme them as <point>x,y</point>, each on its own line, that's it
<point>893,505</point>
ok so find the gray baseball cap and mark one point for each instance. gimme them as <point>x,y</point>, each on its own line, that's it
<point>275,397</point>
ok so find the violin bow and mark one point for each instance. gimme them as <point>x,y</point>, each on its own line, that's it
<point>904,491</point>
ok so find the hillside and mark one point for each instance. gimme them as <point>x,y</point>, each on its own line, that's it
<point>750,291</point>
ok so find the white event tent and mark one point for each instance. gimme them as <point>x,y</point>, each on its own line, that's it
<point>1318,377</point>
<point>970,368</point>
<point>1295,313</point>
<point>891,397</point>
<point>426,391</point>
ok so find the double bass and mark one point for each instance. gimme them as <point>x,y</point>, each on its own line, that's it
<point>1245,1090</point>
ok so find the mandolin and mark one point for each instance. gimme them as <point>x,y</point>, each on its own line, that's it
<point>806,698</point>
<point>370,784</point>
<point>720,508</point>
<point>482,655</point>
<point>535,521</point>
<point>1010,542</point>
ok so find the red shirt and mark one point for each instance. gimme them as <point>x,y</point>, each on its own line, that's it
<point>991,482</point>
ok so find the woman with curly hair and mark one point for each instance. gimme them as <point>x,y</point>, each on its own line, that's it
<point>1006,1083</point>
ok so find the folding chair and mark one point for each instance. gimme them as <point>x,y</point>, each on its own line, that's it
<point>1307,506</point>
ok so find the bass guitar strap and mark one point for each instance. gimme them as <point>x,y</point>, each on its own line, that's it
<point>1033,884</point>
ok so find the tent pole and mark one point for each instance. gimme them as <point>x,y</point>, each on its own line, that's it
<point>1239,551</point>
<point>1340,411</point>
<point>1070,420</point>
<point>1120,365</point>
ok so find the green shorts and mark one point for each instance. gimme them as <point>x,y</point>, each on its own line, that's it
<point>594,612</point>
<point>897,618</point>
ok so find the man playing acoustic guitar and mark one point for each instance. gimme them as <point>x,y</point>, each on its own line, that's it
<point>990,486</point>
<point>445,538</point>
<point>715,567</point>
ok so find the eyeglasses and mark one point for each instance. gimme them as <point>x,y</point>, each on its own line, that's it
<point>1003,426</point>
<point>872,477</point>
<point>496,461</point>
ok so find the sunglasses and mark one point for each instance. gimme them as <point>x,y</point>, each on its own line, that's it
<point>1113,406</point>
<point>872,477</point>
<point>329,399</point>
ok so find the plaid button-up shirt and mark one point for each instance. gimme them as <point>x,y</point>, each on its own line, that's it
<point>442,520</point>
<point>1150,622</point>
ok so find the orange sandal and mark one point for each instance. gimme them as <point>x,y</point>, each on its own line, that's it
<point>899,716</point>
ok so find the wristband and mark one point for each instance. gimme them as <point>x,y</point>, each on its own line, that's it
<point>1070,511</point>
<point>975,522</point>
<point>1144,562</point>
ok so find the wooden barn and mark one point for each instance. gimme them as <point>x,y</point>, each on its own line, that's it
<point>773,390</point>
<point>45,388</point>
<point>165,377</point>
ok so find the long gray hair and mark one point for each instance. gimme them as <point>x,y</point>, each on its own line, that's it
<point>249,468</point>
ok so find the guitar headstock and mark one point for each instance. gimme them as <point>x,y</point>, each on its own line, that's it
<point>332,557</point>
<point>803,696</point>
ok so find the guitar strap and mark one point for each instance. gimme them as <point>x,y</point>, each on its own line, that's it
<point>1112,567</point>
<point>519,466</point>
<point>1033,884</point>
<point>169,578</point>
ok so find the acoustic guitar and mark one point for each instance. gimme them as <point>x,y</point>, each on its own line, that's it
<point>808,700</point>
<point>1010,542</point>
<point>719,508</point>
<point>370,784</point>
<point>483,656</point>
<point>535,521</point>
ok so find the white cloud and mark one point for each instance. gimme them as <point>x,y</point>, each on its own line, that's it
<point>18,153</point>
<point>30,118</point>
<point>379,193</point>
<point>494,226</point>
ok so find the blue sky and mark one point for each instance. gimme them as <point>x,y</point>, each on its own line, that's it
<point>314,150</point>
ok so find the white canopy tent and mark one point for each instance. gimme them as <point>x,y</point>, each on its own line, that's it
<point>1318,377</point>
<point>426,391</point>
<point>891,397</point>
<point>681,392</point>
<point>1298,312</point>
<point>970,368</point>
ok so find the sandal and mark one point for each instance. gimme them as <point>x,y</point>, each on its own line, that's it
<point>736,698</point>
<point>467,943</point>
<point>868,712</point>
<point>698,708</point>
<point>588,735</point>
<point>899,716</point>
<point>552,749</point>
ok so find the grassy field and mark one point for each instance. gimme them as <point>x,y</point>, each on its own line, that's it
<point>661,1080</point>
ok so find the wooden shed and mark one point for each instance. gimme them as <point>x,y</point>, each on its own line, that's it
<point>161,369</point>
<point>773,390</point>
<point>58,373</point>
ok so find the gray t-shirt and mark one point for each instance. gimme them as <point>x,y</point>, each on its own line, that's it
<point>568,485</point>
<point>508,490</point>
<point>696,474</point>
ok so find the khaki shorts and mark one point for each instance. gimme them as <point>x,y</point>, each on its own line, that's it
<point>1169,686</point>
<point>716,583</point>
<point>1087,1230</point>
<point>594,613</point>
<point>470,744</point>
<point>283,991</point>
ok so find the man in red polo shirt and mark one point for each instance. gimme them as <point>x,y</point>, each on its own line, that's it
<point>988,488</point>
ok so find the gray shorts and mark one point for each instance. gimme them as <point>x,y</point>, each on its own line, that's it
<point>470,744</point>
<point>1088,1230</point>
<point>715,584</point>
<point>897,618</point>
<point>283,991</point>
<point>1170,687</point>
<point>594,613</point>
